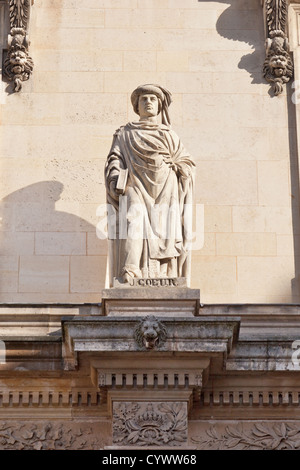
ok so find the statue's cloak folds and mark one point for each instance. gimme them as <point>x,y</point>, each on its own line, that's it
<point>157,198</point>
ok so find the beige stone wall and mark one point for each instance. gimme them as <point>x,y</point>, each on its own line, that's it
<point>54,137</point>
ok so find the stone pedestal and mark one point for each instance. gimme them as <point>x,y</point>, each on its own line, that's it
<point>150,354</point>
<point>161,301</point>
<point>234,388</point>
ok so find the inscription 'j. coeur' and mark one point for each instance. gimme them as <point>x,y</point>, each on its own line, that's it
<point>155,282</point>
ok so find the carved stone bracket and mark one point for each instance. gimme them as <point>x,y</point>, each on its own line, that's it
<point>200,336</point>
<point>18,64</point>
<point>278,65</point>
<point>150,369</point>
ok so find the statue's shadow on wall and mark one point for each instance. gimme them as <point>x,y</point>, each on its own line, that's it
<point>32,209</point>
<point>252,62</point>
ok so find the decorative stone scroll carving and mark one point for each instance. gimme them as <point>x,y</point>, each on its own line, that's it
<point>48,436</point>
<point>149,423</point>
<point>18,64</point>
<point>150,332</point>
<point>260,436</point>
<point>278,65</point>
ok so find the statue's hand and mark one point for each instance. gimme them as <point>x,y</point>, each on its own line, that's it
<point>184,171</point>
<point>168,160</point>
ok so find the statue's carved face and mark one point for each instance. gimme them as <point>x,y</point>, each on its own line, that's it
<point>18,61</point>
<point>148,106</point>
<point>278,63</point>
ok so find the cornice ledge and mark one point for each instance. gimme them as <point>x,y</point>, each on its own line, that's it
<point>205,336</point>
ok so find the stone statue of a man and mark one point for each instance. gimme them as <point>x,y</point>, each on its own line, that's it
<point>149,180</point>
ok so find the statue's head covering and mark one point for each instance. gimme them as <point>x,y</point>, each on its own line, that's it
<point>164,95</point>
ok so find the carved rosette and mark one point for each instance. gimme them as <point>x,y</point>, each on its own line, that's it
<point>278,65</point>
<point>150,423</point>
<point>18,65</point>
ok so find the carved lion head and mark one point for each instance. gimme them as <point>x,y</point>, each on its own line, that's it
<point>18,66</point>
<point>278,66</point>
<point>17,61</point>
<point>150,332</point>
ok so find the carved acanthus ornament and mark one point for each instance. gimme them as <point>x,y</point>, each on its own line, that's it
<point>18,65</point>
<point>260,436</point>
<point>278,65</point>
<point>47,436</point>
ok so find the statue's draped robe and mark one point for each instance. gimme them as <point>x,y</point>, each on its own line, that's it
<point>160,178</point>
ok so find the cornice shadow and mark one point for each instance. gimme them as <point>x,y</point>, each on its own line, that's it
<point>250,32</point>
